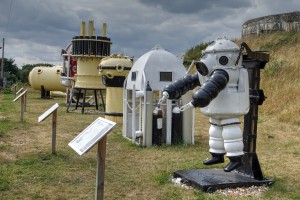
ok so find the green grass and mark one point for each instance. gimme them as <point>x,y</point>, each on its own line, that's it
<point>132,172</point>
<point>274,68</point>
<point>2,132</point>
<point>162,177</point>
<point>283,39</point>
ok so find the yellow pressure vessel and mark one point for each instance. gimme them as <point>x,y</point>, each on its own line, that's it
<point>114,70</point>
<point>47,78</point>
<point>87,73</point>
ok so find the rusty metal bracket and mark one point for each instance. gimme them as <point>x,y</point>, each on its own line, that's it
<point>256,55</point>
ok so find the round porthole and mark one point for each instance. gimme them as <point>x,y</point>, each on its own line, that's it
<point>223,60</point>
<point>109,75</point>
<point>119,68</point>
<point>202,69</point>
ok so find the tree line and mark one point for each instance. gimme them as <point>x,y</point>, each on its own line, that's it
<point>15,74</point>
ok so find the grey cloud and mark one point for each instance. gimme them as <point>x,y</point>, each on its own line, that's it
<point>38,29</point>
<point>195,6</point>
<point>40,21</point>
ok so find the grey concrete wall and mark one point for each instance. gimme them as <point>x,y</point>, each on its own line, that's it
<point>272,23</point>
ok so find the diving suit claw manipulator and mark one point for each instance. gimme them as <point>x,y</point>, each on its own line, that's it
<point>223,97</point>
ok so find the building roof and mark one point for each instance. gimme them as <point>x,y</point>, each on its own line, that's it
<point>158,67</point>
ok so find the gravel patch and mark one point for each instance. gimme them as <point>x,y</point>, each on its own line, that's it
<point>252,191</point>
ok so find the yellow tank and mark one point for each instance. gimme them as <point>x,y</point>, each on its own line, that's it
<point>114,70</point>
<point>87,73</point>
<point>47,78</point>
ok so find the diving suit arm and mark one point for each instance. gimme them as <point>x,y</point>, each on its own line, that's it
<point>181,86</point>
<point>209,90</point>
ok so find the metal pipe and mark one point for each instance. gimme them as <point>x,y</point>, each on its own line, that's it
<point>148,104</point>
<point>82,28</point>
<point>125,109</point>
<point>169,122</point>
<point>91,28</point>
<point>133,114</point>
<point>104,25</point>
<point>2,62</point>
<point>147,113</point>
<point>188,120</point>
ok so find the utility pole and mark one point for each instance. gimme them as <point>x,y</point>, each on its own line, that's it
<point>2,64</point>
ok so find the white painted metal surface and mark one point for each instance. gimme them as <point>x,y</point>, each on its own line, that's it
<point>157,68</point>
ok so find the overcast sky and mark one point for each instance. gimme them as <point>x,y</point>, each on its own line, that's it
<point>35,31</point>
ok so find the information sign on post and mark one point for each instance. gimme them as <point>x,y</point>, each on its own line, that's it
<point>91,135</point>
<point>20,95</point>
<point>20,90</point>
<point>95,133</point>
<point>47,113</point>
<point>23,103</point>
<point>53,111</point>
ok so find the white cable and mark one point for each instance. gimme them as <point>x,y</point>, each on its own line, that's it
<point>131,107</point>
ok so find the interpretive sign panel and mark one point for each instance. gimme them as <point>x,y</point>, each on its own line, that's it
<point>20,90</point>
<point>47,113</point>
<point>20,95</point>
<point>91,135</point>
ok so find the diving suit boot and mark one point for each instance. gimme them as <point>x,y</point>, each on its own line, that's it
<point>235,162</point>
<point>215,159</point>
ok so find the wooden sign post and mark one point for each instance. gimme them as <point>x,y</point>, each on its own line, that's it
<point>53,111</point>
<point>95,133</point>
<point>25,97</point>
<point>23,103</point>
<point>101,155</point>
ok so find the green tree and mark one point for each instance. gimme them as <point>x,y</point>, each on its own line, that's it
<point>10,68</point>
<point>25,72</point>
<point>28,67</point>
<point>194,53</point>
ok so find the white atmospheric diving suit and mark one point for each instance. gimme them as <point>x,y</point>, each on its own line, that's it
<point>223,96</point>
